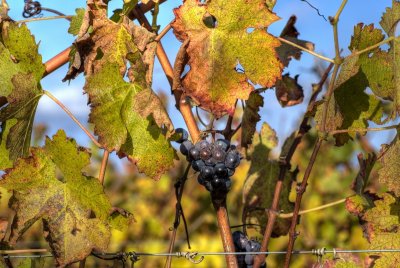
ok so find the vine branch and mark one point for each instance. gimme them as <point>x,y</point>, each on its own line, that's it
<point>273,212</point>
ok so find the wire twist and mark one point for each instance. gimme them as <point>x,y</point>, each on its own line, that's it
<point>190,256</point>
<point>31,9</point>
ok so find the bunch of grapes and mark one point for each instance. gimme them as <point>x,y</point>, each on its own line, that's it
<point>243,244</point>
<point>215,162</point>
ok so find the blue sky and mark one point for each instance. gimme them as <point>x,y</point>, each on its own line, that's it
<point>53,38</point>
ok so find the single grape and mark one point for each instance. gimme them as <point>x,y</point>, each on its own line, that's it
<point>231,171</point>
<point>185,147</point>
<point>205,153</point>
<point>198,165</point>
<point>209,186</point>
<point>222,144</point>
<point>232,159</point>
<point>249,260</point>
<point>207,173</point>
<point>210,162</point>
<point>228,184</point>
<point>240,240</point>
<point>184,135</point>
<point>200,180</point>
<point>203,144</point>
<point>219,155</point>
<point>217,183</point>
<point>232,148</point>
<point>194,153</point>
<point>221,170</point>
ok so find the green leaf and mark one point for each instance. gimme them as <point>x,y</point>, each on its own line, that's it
<point>22,70</point>
<point>251,117</point>
<point>5,161</point>
<point>351,107</point>
<point>381,68</point>
<point>76,21</point>
<point>22,107</point>
<point>50,186</point>
<point>258,189</point>
<point>215,51</point>
<point>119,13</point>
<point>390,171</point>
<point>31,263</point>
<point>381,225</point>
<point>127,116</point>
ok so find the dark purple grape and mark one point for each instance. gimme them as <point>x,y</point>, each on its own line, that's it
<point>183,135</point>
<point>249,260</point>
<point>232,160</point>
<point>205,153</point>
<point>231,171</point>
<point>203,144</point>
<point>221,170</point>
<point>222,144</point>
<point>228,184</point>
<point>198,165</point>
<point>253,246</point>
<point>194,154</point>
<point>217,183</point>
<point>209,186</point>
<point>219,155</point>
<point>210,162</point>
<point>240,240</point>
<point>207,173</point>
<point>200,180</point>
<point>185,147</point>
<point>232,148</point>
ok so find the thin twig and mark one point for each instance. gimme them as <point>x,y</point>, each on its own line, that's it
<point>356,53</point>
<point>289,215</point>
<point>305,49</point>
<point>68,17</point>
<point>285,166</point>
<point>179,187</point>
<point>48,94</point>
<point>52,11</point>
<point>314,7</point>
<point>333,132</point>
<point>103,166</point>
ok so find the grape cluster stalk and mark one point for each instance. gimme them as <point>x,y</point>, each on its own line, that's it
<point>216,162</point>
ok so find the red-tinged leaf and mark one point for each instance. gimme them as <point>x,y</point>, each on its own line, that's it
<point>216,47</point>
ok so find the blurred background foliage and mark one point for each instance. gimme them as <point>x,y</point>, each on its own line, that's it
<point>153,206</point>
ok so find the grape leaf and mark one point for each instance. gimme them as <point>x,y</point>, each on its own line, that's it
<point>217,45</point>
<point>127,116</point>
<point>76,21</point>
<point>350,107</point>
<point>128,6</point>
<point>389,172</point>
<point>382,67</point>
<point>251,117</point>
<point>5,161</point>
<point>285,51</point>
<point>22,70</point>
<point>381,225</point>
<point>258,189</point>
<point>288,91</point>
<point>50,186</point>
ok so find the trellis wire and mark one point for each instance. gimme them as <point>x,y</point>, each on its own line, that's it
<point>191,255</point>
